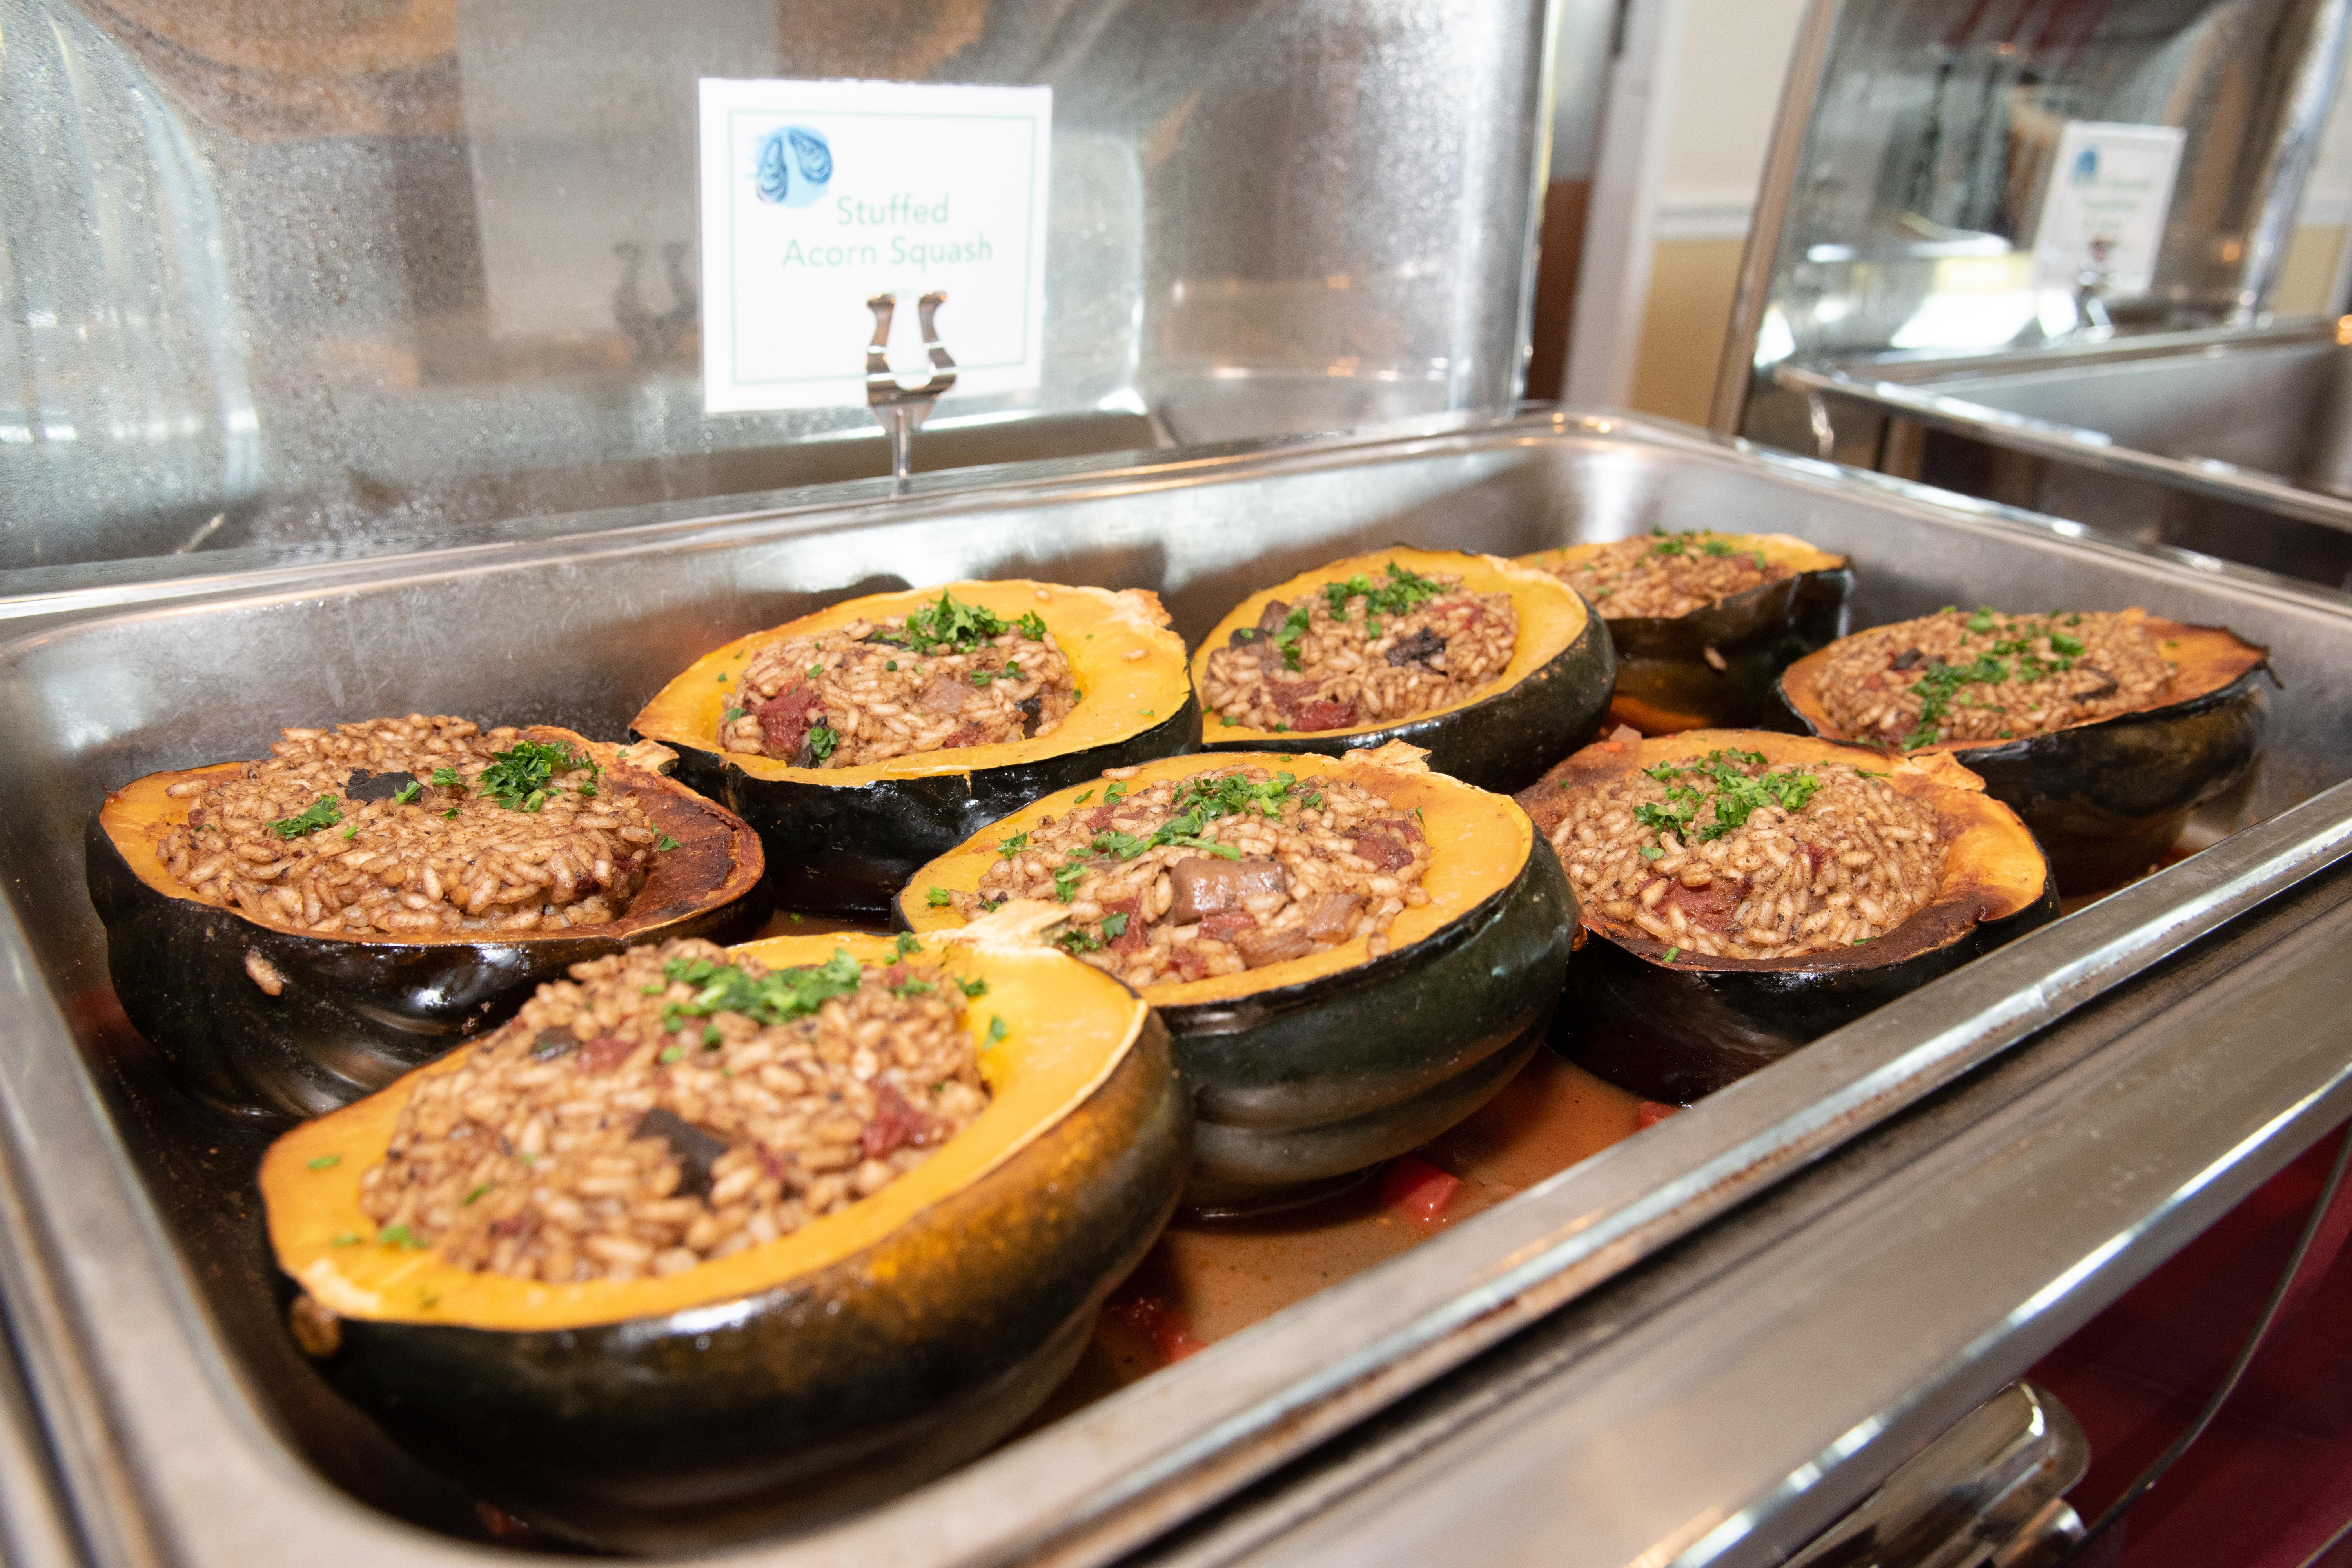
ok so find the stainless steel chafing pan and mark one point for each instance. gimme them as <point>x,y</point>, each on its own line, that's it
<point>187,1430</point>
<point>2234,443</point>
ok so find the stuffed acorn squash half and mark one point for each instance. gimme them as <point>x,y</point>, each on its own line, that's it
<point>1351,953</point>
<point>707,1242</point>
<point>1704,622</point>
<point>2106,732</point>
<point>1745,893</point>
<point>864,740</point>
<point>1492,667</point>
<point>294,932</point>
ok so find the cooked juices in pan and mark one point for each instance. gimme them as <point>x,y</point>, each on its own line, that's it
<point>1364,650</point>
<point>946,675</point>
<point>412,825</point>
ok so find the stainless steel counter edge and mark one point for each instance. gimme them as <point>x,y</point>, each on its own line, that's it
<point>2047,438</point>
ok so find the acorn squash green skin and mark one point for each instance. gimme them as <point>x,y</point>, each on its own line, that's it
<point>2107,799</point>
<point>1662,663</point>
<point>1677,1033</point>
<point>845,850</point>
<point>826,1394</point>
<point>353,1015</point>
<point>1501,743</point>
<point>1298,1084</point>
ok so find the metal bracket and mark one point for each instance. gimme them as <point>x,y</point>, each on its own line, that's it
<point>902,409</point>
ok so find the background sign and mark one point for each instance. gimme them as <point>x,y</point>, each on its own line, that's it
<point>817,195</point>
<point>2109,192</point>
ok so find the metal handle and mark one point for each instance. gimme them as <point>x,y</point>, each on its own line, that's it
<point>902,409</point>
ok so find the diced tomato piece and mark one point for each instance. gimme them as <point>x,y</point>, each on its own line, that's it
<point>1417,1189</point>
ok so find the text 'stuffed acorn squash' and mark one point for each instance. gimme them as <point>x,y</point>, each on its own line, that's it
<point>1315,1068</point>
<point>2108,797</point>
<point>1549,699</point>
<point>846,1361</point>
<point>1674,1029</point>
<point>350,1012</point>
<point>1714,668</point>
<point>840,841</point>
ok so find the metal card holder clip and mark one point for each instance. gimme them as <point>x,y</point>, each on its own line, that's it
<point>902,409</point>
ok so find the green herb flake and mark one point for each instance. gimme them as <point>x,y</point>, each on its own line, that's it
<point>351,832</point>
<point>951,625</point>
<point>1006,849</point>
<point>400,1236</point>
<point>890,664</point>
<point>521,777</point>
<point>1652,852</point>
<point>1115,793</point>
<point>1075,940</point>
<point>974,989</point>
<point>665,842</point>
<point>407,793</point>
<point>1285,641</point>
<point>1066,880</point>
<point>939,897</point>
<point>1114,925</point>
<point>907,945</point>
<point>477,1193</point>
<point>346,1239</point>
<point>451,812</point>
<point>1032,624</point>
<point>712,1038</point>
<point>1717,548</point>
<point>777,997</point>
<point>822,740</point>
<point>997,1031</point>
<point>1673,954</point>
<point>670,1054</point>
<point>324,812</point>
<point>326,1162</point>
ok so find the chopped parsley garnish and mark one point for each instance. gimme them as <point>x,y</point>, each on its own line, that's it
<point>400,1236</point>
<point>670,1054</point>
<point>1673,954</point>
<point>951,625</point>
<point>1006,849</point>
<point>939,897</point>
<point>732,714</point>
<point>1716,547</point>
<point>1032,624</point>
<point>407,793</point>
<point>1736,795</point>
<point>907,945</point>
<point>521,777</point>
<point>665,842</point>
<point>324,812</point>
<point>477,1196</point>
<point>822,740</point>
<point>1114,925</point>
<point>1115,793</point>
<point>975,989</point>
<point>815,670</point>
<point>1082,797</point>
<point>1067,879</point>
<point>445,778</point>
<point>351,832</point>
<point>1294,626</point>
<point>1077,939</point>
<point>326,1162</point>
<point>996,1030</point>
<point>913,988</point>
<point>776,997</point>
<point>1396,596</point>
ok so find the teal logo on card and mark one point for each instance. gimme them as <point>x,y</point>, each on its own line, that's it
<point>793,167</point>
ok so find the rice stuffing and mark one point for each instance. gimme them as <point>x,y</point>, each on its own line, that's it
<point>1361,650</point>
<point>947,675</point>
<point>1223,871</point>
<point>1665,574</point>
<point>1728,856</point>
<point>1987,676</point>
<point>667,1105</point>
<point>415,826</point>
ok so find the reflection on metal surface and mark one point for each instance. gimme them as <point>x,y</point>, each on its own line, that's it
<point>2235,444</point>
<point>338,272</point>
<point>1987,1492</point>
<point>98,693</point>
<point>1916,142</point>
